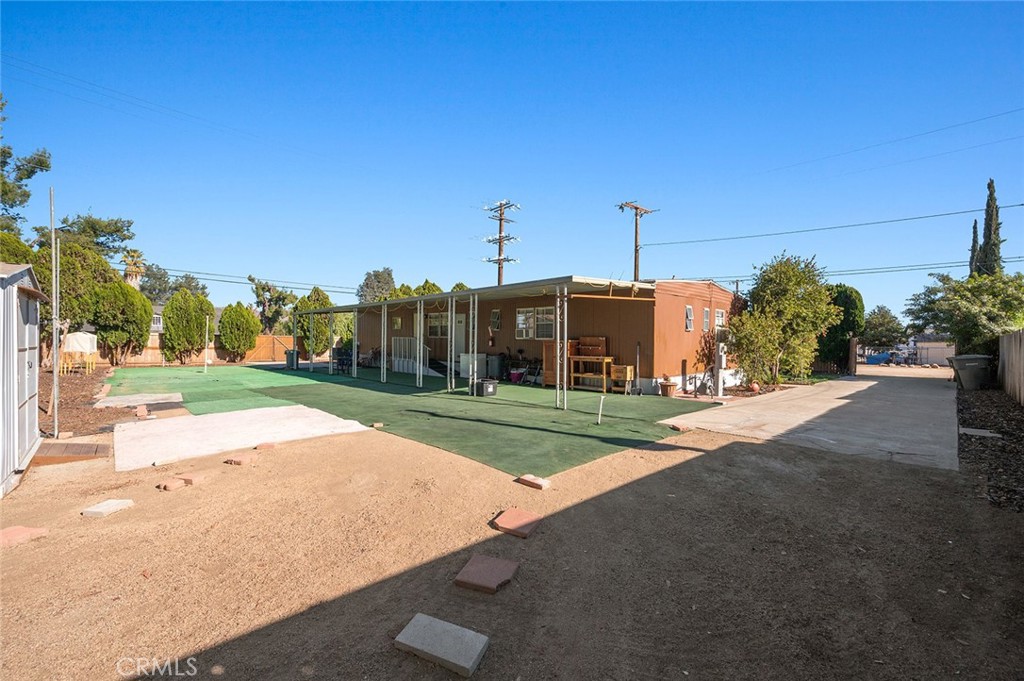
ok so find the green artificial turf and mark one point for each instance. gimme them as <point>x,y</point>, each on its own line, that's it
<point>517,431</point>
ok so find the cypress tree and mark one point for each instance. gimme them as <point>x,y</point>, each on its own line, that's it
<point>974,250</point>
<point>990,259</point>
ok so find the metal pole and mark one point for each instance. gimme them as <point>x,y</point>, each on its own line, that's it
<point>309,341</point>
<point>558,348</point>
<point>206,345</point>
<point>355,343</point>
<point>451,345</point>
<point>384,343</point>
<point>419,344</point>
<point>55,312</point>
<point>565,351</point>
<point>330,357</point>
<point>295,340</point>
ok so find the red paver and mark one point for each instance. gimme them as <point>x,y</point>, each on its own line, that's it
<point>487,574</point>
<point>192,478</point>
<point>517,522</point>
<point>171,484</point>
<point>681,429</point>
<point>243,459</point>
<point>265,445</point>
<point>142,411</point>
<point>533,481</point>
<point>18,534</point>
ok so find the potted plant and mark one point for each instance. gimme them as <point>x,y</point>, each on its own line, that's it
<point>668,388</point>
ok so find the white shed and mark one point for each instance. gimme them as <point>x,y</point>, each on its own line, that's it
<point>19,371</point>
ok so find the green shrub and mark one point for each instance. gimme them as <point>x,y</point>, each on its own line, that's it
<point>185,325</point>
<point>239,328</point>
<point>122,317</point>
<point>14,250</point>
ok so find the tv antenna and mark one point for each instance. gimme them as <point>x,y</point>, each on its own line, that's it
<point>497,212</point>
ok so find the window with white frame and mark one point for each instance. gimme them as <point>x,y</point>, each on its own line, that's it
<point>396,323</point>
<point>495,320</point>
<point>689,318</point>
<point>524,323</point>
<point>544,323</point>
<point>707,319</point>
<point>719,319</point>
<point>437,325</point>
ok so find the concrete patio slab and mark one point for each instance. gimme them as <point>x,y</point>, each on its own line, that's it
<point>486,573</point>
<point>138,400</point>
<point>105,508</point>
<point>517,522</point>
<point>909,417</point>
<point>139,444</point>
<point>449,645</point>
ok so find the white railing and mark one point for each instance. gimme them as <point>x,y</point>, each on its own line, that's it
<point>1011,364</point>
<point>403,355</point>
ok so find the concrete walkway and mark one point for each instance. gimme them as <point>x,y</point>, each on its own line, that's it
<point>889,413</point>
<point>141,444</point>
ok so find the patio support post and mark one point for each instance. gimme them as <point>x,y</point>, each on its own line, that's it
<point>309,341</point>
<point>355,342</point>
<point>565,348</point>
<point>419,344</point>
<point>384,343</point>
<point>295,339</point>
<point>559,397</point>
<point>450,386</point>
<point>472,343</point>
<point>330,353</point>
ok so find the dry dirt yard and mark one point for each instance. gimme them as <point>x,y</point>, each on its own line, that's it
<point>703,556</point>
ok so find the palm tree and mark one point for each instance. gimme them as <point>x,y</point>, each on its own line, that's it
<point>134,267</point>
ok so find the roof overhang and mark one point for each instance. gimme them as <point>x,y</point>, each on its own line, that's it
<point>573,284</point>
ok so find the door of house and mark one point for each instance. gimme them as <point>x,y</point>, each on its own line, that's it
<point>28,383</point>
<point>459,339</point>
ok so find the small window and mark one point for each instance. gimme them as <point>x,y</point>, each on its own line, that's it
<point>524,323</point>
<point>719,319</point>
<point>396,323</point>
<point>545,323</point>
<point>158,322</point>
<point>689,318</point>
<point>707,319</point>
<point>495,320</point>
<point>437,325</point>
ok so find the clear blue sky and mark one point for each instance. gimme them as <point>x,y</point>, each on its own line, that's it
<point>315,141</point>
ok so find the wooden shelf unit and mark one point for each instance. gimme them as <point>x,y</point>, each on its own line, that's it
<point>580,365</point>
<point>622,378</point>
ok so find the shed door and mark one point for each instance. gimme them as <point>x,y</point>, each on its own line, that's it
<point>28,377</point>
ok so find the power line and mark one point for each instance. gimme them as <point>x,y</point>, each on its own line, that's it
<point>888,269</point>
<point>892,141</point>
<point>930,156</point>
<point>826,229</point>
<point>238,279</point>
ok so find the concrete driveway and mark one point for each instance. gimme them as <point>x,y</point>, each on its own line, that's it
<point>890,413</point>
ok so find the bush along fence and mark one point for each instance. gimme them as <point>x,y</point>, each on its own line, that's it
<point>1011,364</point>
<point>268,349</point>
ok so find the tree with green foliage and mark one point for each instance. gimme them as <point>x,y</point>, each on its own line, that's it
<point>973,262</point>
<point>156,284</point>
<point>189,282</point>
<point>882,329</point>
<point>427,288</point>
<point>319,341</point>
<point>108,236</point>
<point>184,318</point>
<point>239,327</point>
<point>459,286</point>
<point>790,306</point>
<point>975,311</point>
<point>14,250</point>
<point>122,317</point>
<point>403,291</point>
<point>834,346</point>
<point>15,172</point>
<point>82,270</point>
<point>990,259</point>
<point>377,286</point>
<point>271,302</point>
<point>134,267</point>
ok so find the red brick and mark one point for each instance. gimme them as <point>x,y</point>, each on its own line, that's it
<point>533,481</point>
<point>192,478</point>
<point>171,484</point>
<point>487,574</point>
<point>681,429</point>
<point>18,534</point>
<point>265,445</point>
<point>517,522</point>
<point>142,411</point>
<point>243,459</point>
<point>65,434</point>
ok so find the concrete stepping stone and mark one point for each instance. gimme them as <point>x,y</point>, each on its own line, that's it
<point>487,574</point>
<point>979,432</point>
<point>517,522</point>
<point>105,508</point>
<point>243,459</point>
<point>533,481</point>
<point>19,534</point>
<point>171,484</point>
<point>192,478</point>
<point>449,645</point>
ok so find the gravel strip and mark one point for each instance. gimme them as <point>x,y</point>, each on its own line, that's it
<point>996,464</point>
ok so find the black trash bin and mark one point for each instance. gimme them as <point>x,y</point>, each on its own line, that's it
<point>971,371</point>
<point>485,387</point>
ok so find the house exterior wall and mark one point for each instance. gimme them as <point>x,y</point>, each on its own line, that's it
<point>934,352</point>
<point>673,344</point>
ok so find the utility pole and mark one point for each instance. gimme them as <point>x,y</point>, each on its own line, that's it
<point>638,212</point>
<point>55,319</point>
<point>497,212</point>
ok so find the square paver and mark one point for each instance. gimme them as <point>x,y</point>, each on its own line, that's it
<point>192,478</point>
<point>449,645</point>
<point>171,484</point>
<point>105,508</point>
<point>19,534</point>
<point>248,459</point>
<point>516,521</point>
<point>487,574</point>
<point>533,481</point>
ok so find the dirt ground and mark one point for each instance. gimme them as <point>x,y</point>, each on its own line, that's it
<point>76,413</point>
<point>702,556</point>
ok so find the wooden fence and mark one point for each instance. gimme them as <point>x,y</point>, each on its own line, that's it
<point>268,349</point>
<point>1011,364</point>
